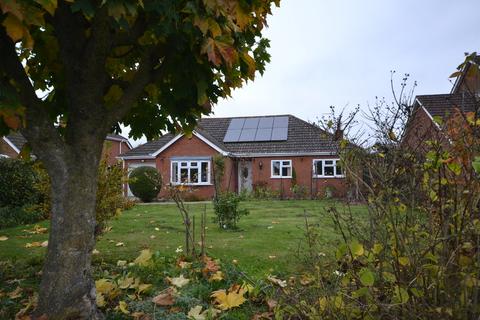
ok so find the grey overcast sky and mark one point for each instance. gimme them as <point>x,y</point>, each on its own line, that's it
<point>340,52</point>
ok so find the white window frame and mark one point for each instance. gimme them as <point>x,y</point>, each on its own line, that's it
<point>281,167</point>
<point>323,176</point>
<point>189,167</point>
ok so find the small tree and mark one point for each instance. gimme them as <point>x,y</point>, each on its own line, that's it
<point>145,183</point>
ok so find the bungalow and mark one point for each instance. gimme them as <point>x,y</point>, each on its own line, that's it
<point>12,144</point>
<point>273,152</point>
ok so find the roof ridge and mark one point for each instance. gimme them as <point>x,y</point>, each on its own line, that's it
<point>244,117</point>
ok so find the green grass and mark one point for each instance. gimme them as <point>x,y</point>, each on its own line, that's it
<point>267,241</point>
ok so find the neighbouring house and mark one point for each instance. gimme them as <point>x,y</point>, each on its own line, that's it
<point>440,116</point>
<point>114,145</point>
<point>272,152</point>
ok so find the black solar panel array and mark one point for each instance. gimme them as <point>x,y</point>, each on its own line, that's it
<point>257,129</point>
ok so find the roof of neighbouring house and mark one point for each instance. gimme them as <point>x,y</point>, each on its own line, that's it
<point>302,138</point>
<point>443,104</point>
<point>17,140</point>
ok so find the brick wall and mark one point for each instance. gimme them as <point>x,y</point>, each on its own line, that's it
<point>194,147</point>
<point>113,148</point>
<point>6,149</point>
<point>303,167</point>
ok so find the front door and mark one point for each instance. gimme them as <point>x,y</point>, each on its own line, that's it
<point>245,180</point>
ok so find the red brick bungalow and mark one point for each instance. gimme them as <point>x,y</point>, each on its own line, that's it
<point>259,151</point>
<point>11,146</point>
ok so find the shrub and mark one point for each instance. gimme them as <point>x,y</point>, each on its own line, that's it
<point>262,191</point>
<point>299,191</point>
<point>16,183</point>
<point>145,183</point>
<point>13,216</point>
<point>110,200</point>
<point>227,210</point>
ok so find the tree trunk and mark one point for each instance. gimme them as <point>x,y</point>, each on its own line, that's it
<point>67,289</point>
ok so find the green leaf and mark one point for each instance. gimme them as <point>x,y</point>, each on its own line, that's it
<point>367,278</point>
<point>476,164</point>
<point>356,248</point>
<point>400,295</point>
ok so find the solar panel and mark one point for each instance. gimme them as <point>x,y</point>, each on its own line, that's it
<point>279,134</point>
<point>266,122</point>
<point>232,135</point>
<point>236,124</point>
<point>247,135</point>
<point>251,123</point>
<point>257,129</point>
<point>263,134</point>
<point>280,122</point>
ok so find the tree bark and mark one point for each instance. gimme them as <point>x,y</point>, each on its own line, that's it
<point>67,289</point>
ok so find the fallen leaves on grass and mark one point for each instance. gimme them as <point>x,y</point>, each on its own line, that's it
<point>166,297</point>
<point>278,282</point>
<point>95,251</point>
<point>123,307</point>
<point>178,281</point>
<point>196,313</point>
<point>144,258</point>
<point>210,265</point>
<point>3,238</point>
<point>17,293</point>
<point>37,230</point>
<point>263,316</point>
<point>232,298</point>
<point>37,244</point>
<point>120,244</point>
<point>217,276</point>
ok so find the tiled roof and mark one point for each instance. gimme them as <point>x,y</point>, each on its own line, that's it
<point>115,136</point>
<point>150,147</point>
<point>17,139</point>
<point>442,104</point>
<point>303,138</point>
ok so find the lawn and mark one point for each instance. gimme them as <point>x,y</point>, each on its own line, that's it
<point>267,241</point>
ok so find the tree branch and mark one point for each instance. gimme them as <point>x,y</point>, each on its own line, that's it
<point>39,130</point>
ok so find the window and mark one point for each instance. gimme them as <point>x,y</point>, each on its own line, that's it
<point>190,172</point>
<point>327,168</point>
<point>281,168</point>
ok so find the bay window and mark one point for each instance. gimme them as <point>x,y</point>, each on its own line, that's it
<point>281,168</point>
<point>192,172</point>
<point>327,168</point>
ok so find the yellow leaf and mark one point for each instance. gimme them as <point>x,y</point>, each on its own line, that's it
<point>196,313</point>
<point>122,306</point>
<point>278,282</point>
<point>228,300</point>
<point>120,244</point>
<point>404,261</point>
<point>3,238</point>
<point>14,28</point>
<point>100,299</point>
<point>217,276</point>
<point>126,282</point>
<point>144,287</point>
<point>144,258</point>
<point>179,281</point>
<point>33,244</point>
